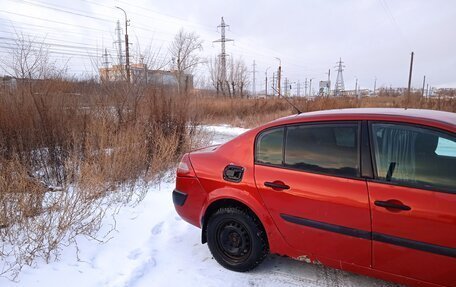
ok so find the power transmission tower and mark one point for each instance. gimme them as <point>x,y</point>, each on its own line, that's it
<point>106,59</point>
<point>119,44</point>
<point>310,87</point>
<point>253,79</point>
<point>298,89</point>
<point>329,82</point>
<point>222,55</point>
<point>105,65</point>
<point>340,85</point>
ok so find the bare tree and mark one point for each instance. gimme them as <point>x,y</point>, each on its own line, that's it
<point>184,52</point>
<point>238,77</point>
<point>29,59</point>
<point>214,73</point>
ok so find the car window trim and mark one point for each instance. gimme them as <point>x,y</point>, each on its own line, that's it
<point>285,126</point>
<point>367,168</point>
<point>376,179</point>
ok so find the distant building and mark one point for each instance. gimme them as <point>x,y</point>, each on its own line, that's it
<point>8,83</point>
<point>139,73</point>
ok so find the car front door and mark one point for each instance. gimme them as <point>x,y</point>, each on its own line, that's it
<point>309,178</point>
<point>413,202</point>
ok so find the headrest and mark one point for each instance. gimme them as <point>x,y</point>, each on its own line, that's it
<point>426,143</point>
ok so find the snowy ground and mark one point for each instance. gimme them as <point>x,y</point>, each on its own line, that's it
<point>152,247</point>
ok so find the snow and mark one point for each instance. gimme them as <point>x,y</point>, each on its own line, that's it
<point>153,246</point>
<point>222,133</point>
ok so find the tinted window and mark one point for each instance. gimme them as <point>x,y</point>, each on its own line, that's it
<point>415,156</point>
<point>269,147</point>
<point>327,148</point>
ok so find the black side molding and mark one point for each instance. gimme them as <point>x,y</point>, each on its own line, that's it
<point>417,245</point>
<point>179,197</point>
<point>328,227</point>
<point>403,242</point>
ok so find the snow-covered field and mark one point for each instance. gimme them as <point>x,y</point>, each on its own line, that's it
<point>152,247</point>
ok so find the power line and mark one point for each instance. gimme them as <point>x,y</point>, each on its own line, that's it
<point>387,10</point>
<point>55,8</point>
<point>52,21</point>
<point>245,48</point>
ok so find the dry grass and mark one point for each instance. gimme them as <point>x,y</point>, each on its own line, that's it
<point>66,158</point>
<point>253,112</point>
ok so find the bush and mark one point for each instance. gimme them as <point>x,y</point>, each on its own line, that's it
<point>66,158</point>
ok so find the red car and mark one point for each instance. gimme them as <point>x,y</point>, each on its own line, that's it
<point>371,191</point>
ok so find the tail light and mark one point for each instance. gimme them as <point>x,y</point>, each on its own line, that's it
<point>185,167</point>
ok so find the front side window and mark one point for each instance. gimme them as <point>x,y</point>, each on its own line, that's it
<point>325,148</point>
<point>415,156</point>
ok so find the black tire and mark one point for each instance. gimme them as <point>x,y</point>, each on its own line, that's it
<point>236,239</point>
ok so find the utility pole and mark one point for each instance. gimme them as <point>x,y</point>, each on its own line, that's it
<point>127,48</point>
<point>266,82</point>
<point>310,87</point>
<point>410,78</point>
<point>305,88</point>
<point>427,90</point>
<point>375,84</point>
<point>273,83</point>
<point>253,79</point>
<point>279,77</point>
<point>424,83</point>
<point>286,87</point>
<point>356,87</point>
<point>222,55</point>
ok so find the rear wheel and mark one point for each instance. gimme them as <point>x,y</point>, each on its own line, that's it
<point>236,239</point>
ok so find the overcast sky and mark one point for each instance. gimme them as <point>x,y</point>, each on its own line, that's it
<point>374,38</point>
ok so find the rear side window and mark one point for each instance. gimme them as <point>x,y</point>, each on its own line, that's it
<point>415,156</point>
<point>323,148</point>
<point>270,146</point>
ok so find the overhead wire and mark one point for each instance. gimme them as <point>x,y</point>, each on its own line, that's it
<point>243,49</point>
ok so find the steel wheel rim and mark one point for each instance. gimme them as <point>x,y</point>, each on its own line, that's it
<point>234,242</point>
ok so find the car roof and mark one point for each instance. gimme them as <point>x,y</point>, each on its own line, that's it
<point>415,115</point>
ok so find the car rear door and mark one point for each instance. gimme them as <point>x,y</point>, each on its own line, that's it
<point>309,178</point>
<point>413,202</point>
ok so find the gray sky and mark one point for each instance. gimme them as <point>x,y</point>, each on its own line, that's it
<point>374,38</point>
